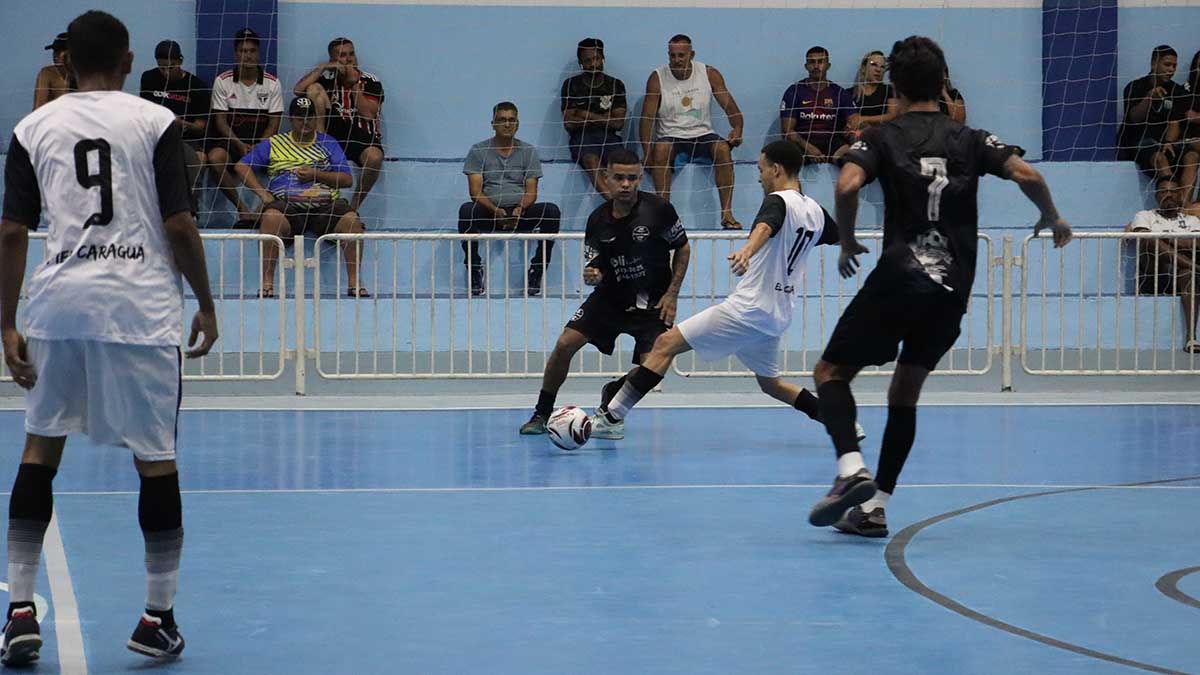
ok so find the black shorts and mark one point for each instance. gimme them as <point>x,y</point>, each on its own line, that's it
<point>312,221</point>
<point>602,322</point>
<point>353,139</point>
<point>875,323</point>
<point>828,143</point>
<point>688,150</point>
<point>593,140</point>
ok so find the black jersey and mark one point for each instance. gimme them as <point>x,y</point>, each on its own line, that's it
<point>929,167</point>
<point>634,252</point>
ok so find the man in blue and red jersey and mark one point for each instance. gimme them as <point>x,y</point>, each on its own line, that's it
<point>815,112</point>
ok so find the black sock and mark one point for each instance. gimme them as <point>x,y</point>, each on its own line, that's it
<point>639,382</point>
<point>29,509</point>
<point>609,390</point>
<point>808,404</point>
<point>160,514</point>
<point>545,404</point>
<point>898,438</point>
<point>838,412</point>
<point>167,616</point>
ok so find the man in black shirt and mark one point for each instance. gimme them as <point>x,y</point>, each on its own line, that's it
<point>1154,106</point>
<point>350,104</point>
<point>183,94</point>
<point>929,167</point>
<point>593,110</point>
<point>636,254</point>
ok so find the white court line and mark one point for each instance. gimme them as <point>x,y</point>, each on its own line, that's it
<point>582,488</point>
<point>67,630</point>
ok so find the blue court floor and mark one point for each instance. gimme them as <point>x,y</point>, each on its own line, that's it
<point>443,542</point>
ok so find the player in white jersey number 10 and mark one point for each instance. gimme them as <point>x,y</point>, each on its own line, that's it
<point>752,320</point>
<point>98,352</point>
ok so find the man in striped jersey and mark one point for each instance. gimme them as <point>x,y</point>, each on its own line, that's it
<point>307,171</point>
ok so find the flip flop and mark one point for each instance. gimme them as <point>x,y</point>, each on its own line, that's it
<point>268,292</point>
<point>730,224</point>
<point>1192,347</point>
<point>359,292</point>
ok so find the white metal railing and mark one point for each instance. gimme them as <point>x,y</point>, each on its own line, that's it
<point>1105,305</point>
<point>1082,310</point>
<point>253,329</point>
<point>821,297</point>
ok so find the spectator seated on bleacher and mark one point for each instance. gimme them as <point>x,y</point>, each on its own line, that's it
<point>246,104</point>
<point>502,180</point>
<point>1150,130</point>
<point>593,109</point>
<point>185,95</point>
<point>307,171</point>
<point>1190,135</point>
<point>1168,266</point>
<point>875,100</point>
<point>815,113</point>
<point>951,101</point>
<point>55,79</point>
<point>678,97</point>
<point>349,108</point>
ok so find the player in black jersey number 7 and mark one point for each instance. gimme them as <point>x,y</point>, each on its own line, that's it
<point>929,167</point>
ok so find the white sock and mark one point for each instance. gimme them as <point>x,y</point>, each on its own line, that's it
<point>850,464</point>
<point>879,501</point>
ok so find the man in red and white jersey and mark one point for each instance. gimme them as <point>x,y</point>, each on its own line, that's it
<point>99,354</point>
<point>247,103</point>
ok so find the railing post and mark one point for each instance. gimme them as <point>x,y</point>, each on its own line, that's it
<point>1006,302</point>
<point>301,335</point>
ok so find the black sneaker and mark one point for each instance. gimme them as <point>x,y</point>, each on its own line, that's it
<point>608,391</point>
<point>151,639</point>
<point>535,280</point>
<point>535,426</point>
<point>857,521</point>
<point>22,638</point>
<point>846,492</point>
<point>477,285</point>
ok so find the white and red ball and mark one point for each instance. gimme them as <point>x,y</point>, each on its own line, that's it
<point>569,427</point>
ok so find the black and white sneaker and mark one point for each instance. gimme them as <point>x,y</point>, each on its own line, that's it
<point>151,639</point>
<point>864,524</point>
<point>845,493</point>
<point>22,638</point>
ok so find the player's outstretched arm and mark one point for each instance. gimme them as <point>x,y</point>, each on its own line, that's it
<point>739,260</point>
<point>851,179</point>
<point>1034,186</point>
<point>188,251</point>
<point>14,246</point>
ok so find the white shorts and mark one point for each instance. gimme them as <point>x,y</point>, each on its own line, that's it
<point>117,394</point>
<point>720,331</point>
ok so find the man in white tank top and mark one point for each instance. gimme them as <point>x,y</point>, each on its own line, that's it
<point>751,321</point>
<point>100,351</point>
<point>678,97</point>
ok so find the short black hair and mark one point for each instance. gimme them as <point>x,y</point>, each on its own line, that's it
<point>503,105</point>
<point>680,37</point>
<point>816,49</point>
<point>98,42</point>
<point>622,156</point>
<point>337,42</point>
<point>589,43</point>
<point>918,68</point>
<point>1161,51</point>
<point>786,154</point>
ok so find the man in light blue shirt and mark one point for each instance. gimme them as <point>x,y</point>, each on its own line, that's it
<point>502,179</point>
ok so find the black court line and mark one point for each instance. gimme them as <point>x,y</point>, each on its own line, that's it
<point>1168,585</point>
<point>896,549</point>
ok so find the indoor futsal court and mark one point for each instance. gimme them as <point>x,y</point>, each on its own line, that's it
<point>1035,539</point>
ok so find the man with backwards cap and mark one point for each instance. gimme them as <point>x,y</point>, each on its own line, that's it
<point>184,94</point>
<point>55,79</point>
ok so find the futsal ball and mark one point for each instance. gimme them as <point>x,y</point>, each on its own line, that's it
<point>569,427</point>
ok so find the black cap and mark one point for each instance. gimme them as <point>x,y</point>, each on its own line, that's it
<point>245,34</point>
<point>302,106</point>
<point>59,44</point>
<point>168,50</point>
